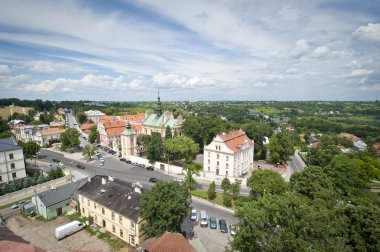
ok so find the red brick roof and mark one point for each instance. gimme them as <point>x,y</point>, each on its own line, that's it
<point>173,242</point>
<point>235,139</point>
<point>138,118</point>
<point>348,136</point>
<point>86,126</point>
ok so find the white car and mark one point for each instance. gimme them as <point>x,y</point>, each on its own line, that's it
<point>194,215</point>
<point>101,160</point>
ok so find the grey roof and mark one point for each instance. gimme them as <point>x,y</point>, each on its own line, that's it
<point>61,193</point>
<point>117,195</point>
<point>49,168</point>
<point>8,144</point>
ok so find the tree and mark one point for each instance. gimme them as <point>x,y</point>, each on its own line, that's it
<point>81,117</point>
<point>154,147</point>
<point>46,117</point>
<point>69,139</point>
<point>29,148</point>
<point>89,151</point>
<point>41,179</point>
<point>93,134</point>
<point>28,182</point>
<point>235,189</point>
<point>266,182</point>
<point>168,133</point>
<point>211,193</point>
<point>225,184</point>
<point>181,147</point>
<point>280,147</point>
<point>227,200</point>
<point>190,171</point>
<point>164,208</point>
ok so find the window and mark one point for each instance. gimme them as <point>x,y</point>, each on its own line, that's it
<point>208,154</point>
<point>132,239</point>
<point>103,212</point>
<point>96,218</point>
<point>226,173</point>
<point>13,165</point>
<point>208,161</point>
<point>14,175</point>
<point>94,205</point>
<point>88,202</point>
<point>113,229</point>
<point>120,219</point>
<point>132,225</point>
<point>121,233</point>
<point>208,168</point>
<point>217,156</point>
<point>83,210</point>
<point>1,178</point>
<point>217,163</point>
<point>113,215</point>
<point>11,156</point>
<point>226,158</point>
<point>227,166</point>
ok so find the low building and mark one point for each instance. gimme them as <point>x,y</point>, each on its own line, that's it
<point>229,154</point>
<point>58,201</point>
<point>358,144</point>
<point>173,242</point>
<point>86,127</point>
<point>48,135</point>
<point>12,163</point>
<point>94,115</point>
<point>114,205</point>
<point>27,133</point>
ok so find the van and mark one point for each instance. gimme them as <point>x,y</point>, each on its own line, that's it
<point>68,229</point>
<point>204,219</point>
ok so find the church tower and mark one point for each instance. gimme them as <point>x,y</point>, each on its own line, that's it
<point>128,142</point>
<point>159,109</point>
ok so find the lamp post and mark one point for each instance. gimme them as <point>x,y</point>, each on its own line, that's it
<point>35,198</point>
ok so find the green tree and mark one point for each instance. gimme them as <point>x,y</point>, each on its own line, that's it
<point>227,200</point>
<point>164,208</point>
<point>191,170</point>
<point>168,133</point>
<point>280,147</point>
<point>93,134</point>
<point>153,146</point>
<point>88,151</point>
<point>41,179</point>
<point>266,182</point>
<point>211,193</point>
<point>81,117</point>
<point>235,189</point>
<point>69,139</point>
<point>29,148</point>
<point>46,117</point>
<point>181,147</point>
<point>28,182</point>
<point>225,184</point>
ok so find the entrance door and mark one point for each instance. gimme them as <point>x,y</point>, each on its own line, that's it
<point>59,211</point>
<point>162,167</point>
<point>104,223</point>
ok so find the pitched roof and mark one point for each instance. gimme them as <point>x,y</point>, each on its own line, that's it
<point>117,195</point>
<point>114,127</point>
<point>51,131</point>
<point>235,139</point>
<point>348,136</point>
<point>87,126</point>
<point>139,117</point>
<point>61,193</point>
<point>173,242</point>
<point>8,144</point>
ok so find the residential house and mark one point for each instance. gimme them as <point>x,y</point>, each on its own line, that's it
<point>58,201</point>
<point>45,137</point>
<point>158,121</point>
<point>27,133</point>
<point>12,163</point>
<point>94,115</point>
<point>109,133</point>
<point>114,205</point>
<point>229,154</point>
<point>359,145</point>
<point>173,242</point>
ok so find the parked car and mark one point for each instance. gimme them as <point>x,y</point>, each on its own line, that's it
<point>204,219</point>
<point>55,160</point>
<point>128,161</point>
<point>101,159</point>
<point>233,229</point>
<point>150,168</point>
<point>213,223</point>
<point>123,160</point>
<point>80,166</point>
<point>20,203</point>
<point>153,180</point>
<point>223,226</point>
<point>194,215</point>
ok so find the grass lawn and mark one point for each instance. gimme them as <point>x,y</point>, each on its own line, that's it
<point>203,194</point>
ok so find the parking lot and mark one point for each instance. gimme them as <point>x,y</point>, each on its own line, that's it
<point>41,234</point>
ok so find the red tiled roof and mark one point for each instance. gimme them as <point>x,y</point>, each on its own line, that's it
<point>138,118</point>
<point>87,126</point>
<point>235,139</point>
<point>173,242</point>
<point>348,136</point>
<point>51,131</point>
<point>114,131</point>
<point>136,127</point>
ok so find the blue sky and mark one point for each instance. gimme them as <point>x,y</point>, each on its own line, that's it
<point>190,50</point>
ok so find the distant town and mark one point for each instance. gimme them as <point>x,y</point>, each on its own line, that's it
<point>190,176</point>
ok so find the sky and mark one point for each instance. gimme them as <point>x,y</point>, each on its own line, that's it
<point>190,50</point>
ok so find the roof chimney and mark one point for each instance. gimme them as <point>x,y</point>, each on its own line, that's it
<point>104,181</point>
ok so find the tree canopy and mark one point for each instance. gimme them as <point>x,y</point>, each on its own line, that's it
<point>266,182</point>
<point>29,148</point>
<point>153,146</point>
<point>181,147</point>
<point>69,139</point>
<point>280,147</point>
<point>164,208</point>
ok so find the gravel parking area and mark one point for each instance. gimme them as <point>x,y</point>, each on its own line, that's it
<point>41,234</point>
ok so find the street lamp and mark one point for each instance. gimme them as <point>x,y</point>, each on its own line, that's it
<point>35,198</point>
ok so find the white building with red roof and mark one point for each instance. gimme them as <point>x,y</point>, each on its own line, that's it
<point>228,155</point>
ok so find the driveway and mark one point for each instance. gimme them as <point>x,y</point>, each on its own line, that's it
<point>41,234</point>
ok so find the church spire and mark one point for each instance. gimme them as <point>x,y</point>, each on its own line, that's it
<point>158,110</point>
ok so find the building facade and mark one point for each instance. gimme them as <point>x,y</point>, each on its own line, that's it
<point>114,205</point>
<point>228,155</point>
<point>94,115</point>
<point>12,164</point>
<point>128,142</point>
<point>158,121</point>
<point>9,111</point>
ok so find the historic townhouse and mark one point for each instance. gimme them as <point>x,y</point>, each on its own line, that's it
<point>12,164</point>
<point>229,154</point>
<point>114,205</point>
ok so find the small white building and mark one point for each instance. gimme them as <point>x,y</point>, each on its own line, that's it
<point>94,115</point>
<point>228,155</point>
<point>12,164</point>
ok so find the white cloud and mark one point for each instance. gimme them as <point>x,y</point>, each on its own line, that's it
<point>45,66</point>
<point>68,90</point>
<point>260,84</point>
<point>357,72</point>
<point>320,51</point>
<point>375,87</point>
<point>370,32</point>
<point>173,80</point>
<point>301,48</point>
<point>4,69</point>
<point>290,13</point>
<point>43,87</point>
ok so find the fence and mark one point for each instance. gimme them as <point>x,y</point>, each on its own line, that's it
<point>158,165</point>
<point>30,191</point>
